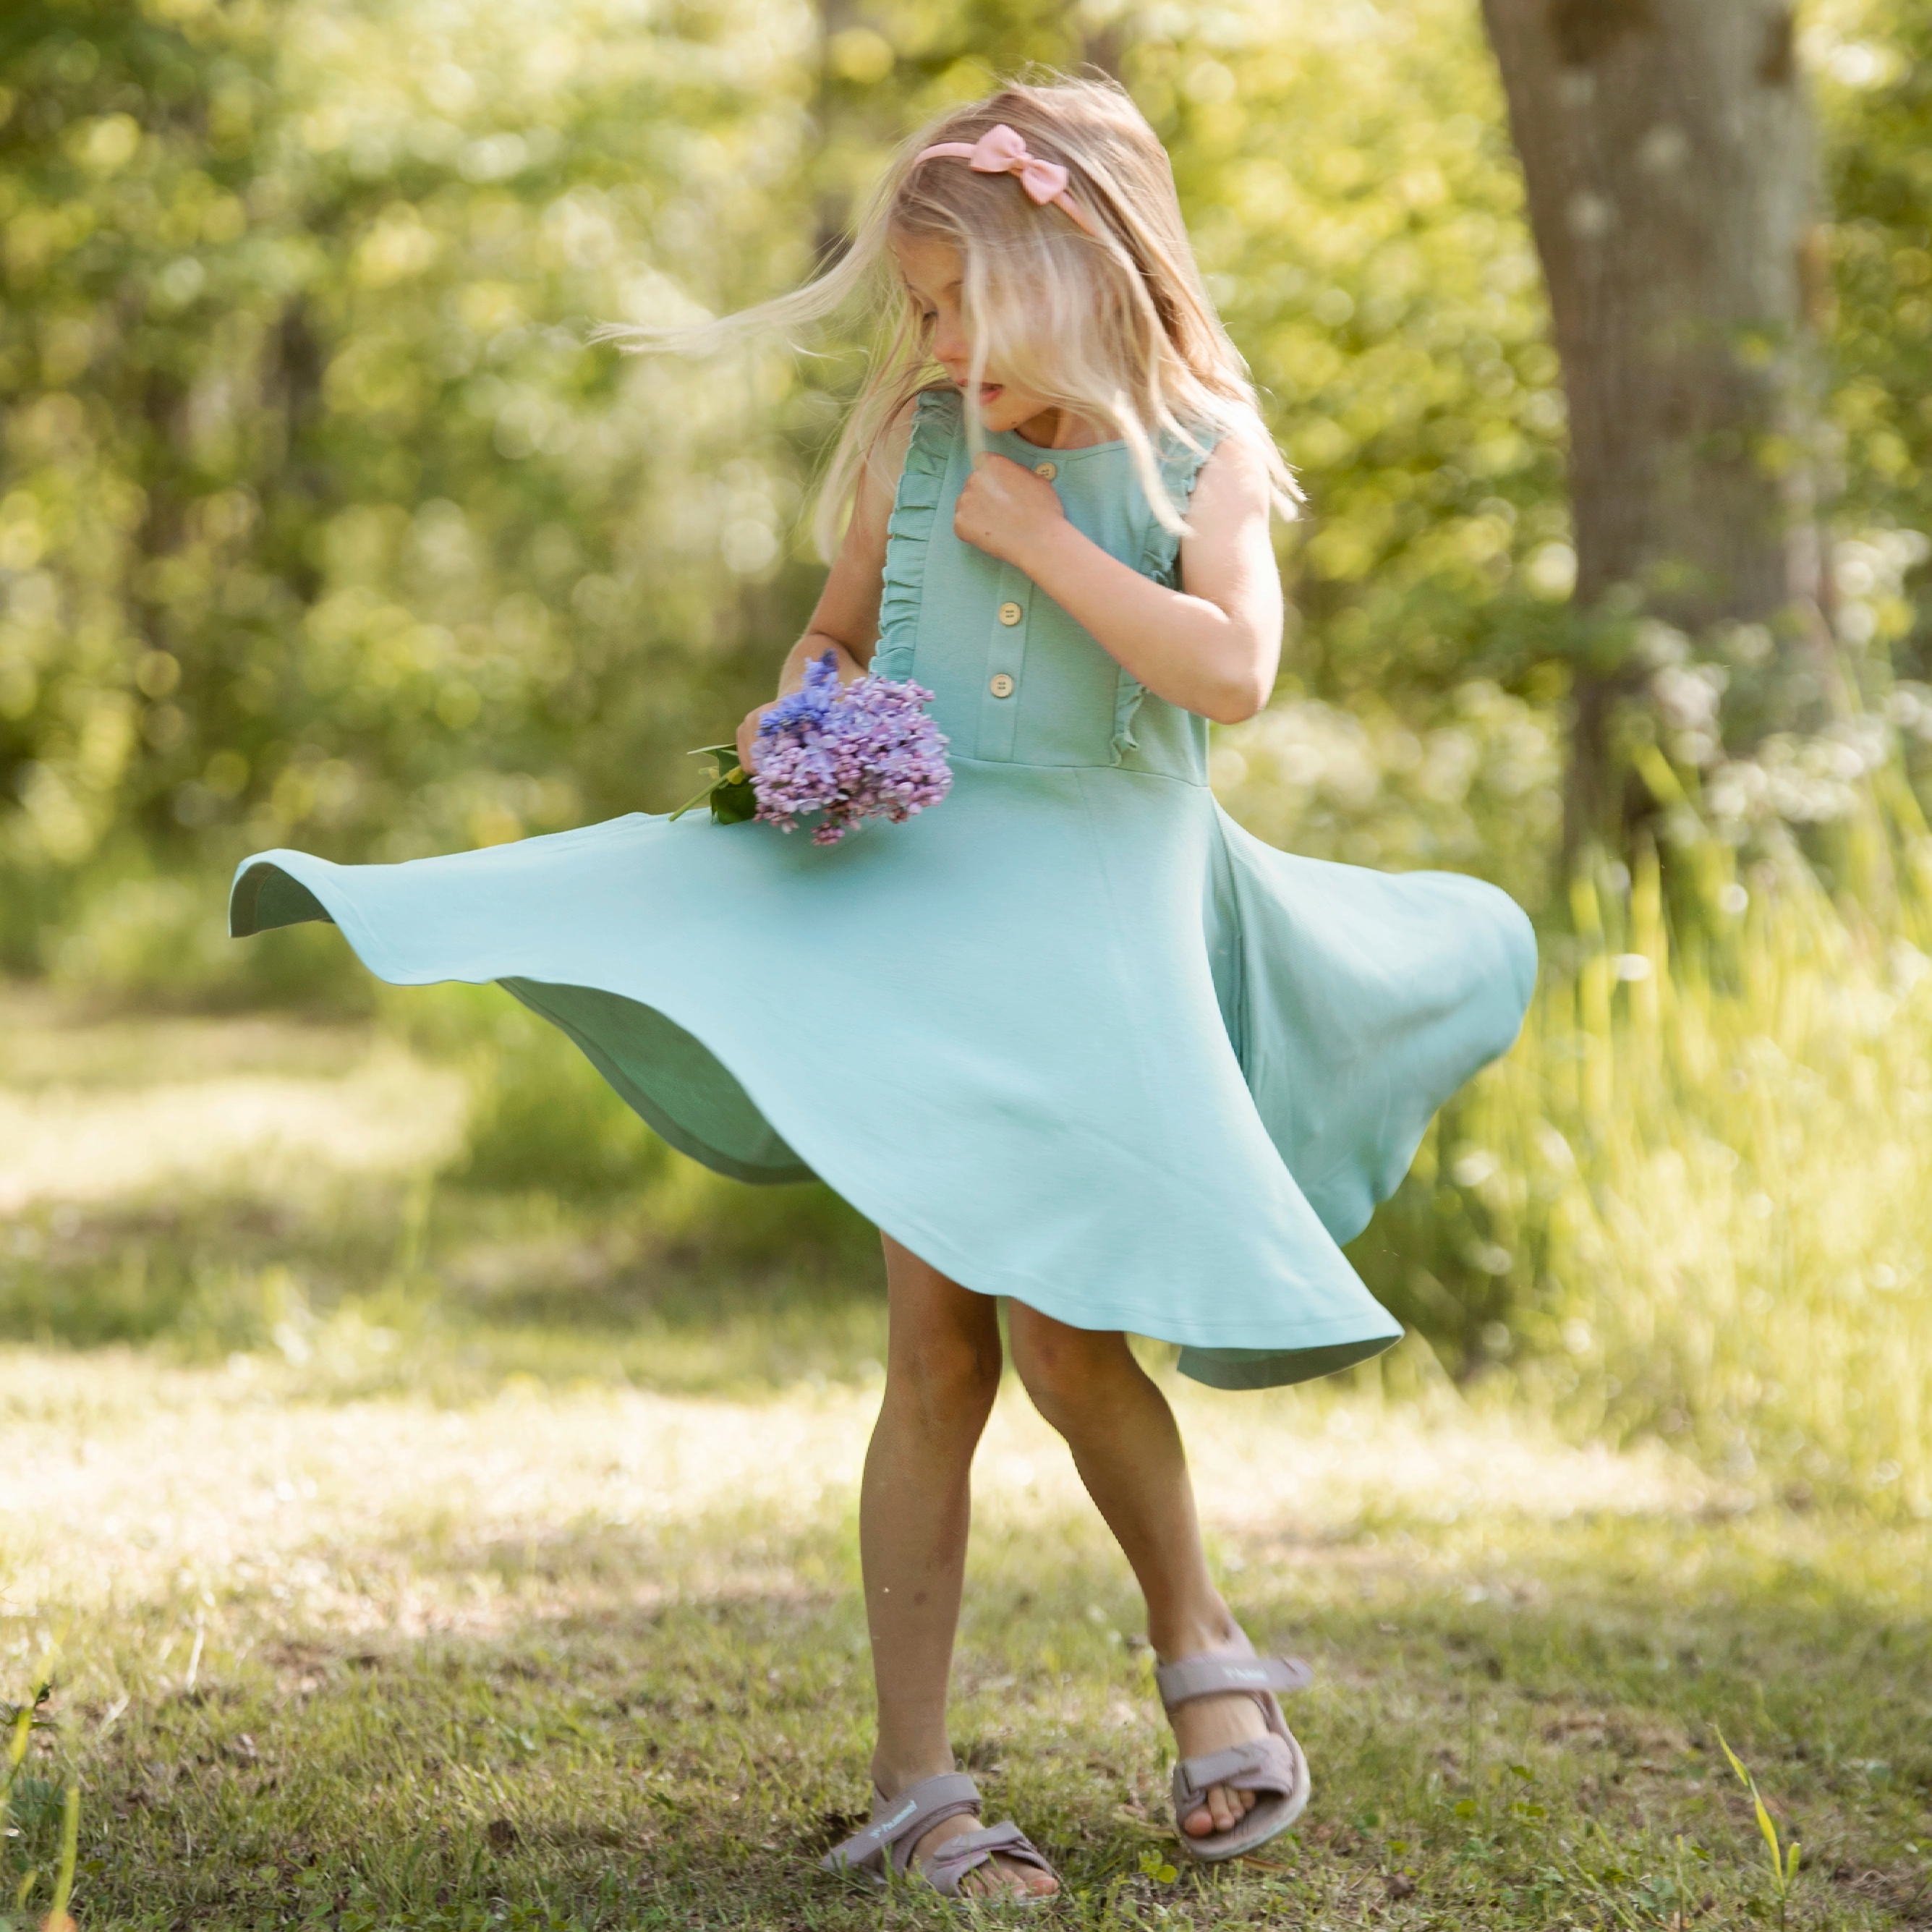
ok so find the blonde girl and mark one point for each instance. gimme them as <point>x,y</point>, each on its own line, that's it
<point>1072,1039</point>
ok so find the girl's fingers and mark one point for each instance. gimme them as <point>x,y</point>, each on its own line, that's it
<point>1001,504</point>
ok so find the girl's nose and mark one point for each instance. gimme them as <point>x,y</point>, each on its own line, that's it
<point>949,343</point>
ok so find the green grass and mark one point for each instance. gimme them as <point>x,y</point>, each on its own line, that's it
<point>320,1193</point>
<point>1695,1200</point>
<point>597,1659</point>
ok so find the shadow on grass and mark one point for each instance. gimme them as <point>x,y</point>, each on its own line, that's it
<point>393,1283</point>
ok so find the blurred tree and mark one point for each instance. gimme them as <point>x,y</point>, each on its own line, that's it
<point>1673,192</point>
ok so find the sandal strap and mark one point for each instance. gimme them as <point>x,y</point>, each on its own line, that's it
<point>1215,1673</point>
<point>899,1823</point>
<point>1264,1764</point>
<point>945,1868</point>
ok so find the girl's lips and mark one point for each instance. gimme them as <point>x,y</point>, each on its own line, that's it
<point>989,391</point>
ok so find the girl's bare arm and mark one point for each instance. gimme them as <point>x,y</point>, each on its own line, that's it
<point>846,619</point>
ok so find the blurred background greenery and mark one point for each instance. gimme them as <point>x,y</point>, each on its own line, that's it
<point>321,523</point>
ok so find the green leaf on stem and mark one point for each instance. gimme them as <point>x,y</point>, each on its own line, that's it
<point>731,795</point>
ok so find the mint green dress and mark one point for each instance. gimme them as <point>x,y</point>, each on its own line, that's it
<point>1071,1035</point>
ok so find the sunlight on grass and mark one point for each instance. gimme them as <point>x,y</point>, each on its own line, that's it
<point>596,1658</point>
<point>128,1481</point>
<point>111,1133</point>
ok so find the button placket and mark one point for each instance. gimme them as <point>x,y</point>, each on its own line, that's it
<point>1005,658</point>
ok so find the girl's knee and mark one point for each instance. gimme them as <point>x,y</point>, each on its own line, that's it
<point>1064,1368</point>
<point>948,1378</point>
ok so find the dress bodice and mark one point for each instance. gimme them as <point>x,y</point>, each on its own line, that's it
<point>1015,679</point>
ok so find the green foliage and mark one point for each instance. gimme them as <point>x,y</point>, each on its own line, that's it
<point>1683,1208</point>
<point>1475,790</point>
<point>730,794</point>
<point>141,935</point>
<point>1358,213</point>
<point>1686,1203</point>
<point>543,1121</point>
<point>1875,83</point>
<point>538,1122</point>
<point>1783,1856</point>
<point>321,522</point>
<point>41,1816</point>
<point>320,515</point>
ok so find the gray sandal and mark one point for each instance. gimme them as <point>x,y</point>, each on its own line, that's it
<point>1272,1765</point>
<point>899,1823</point>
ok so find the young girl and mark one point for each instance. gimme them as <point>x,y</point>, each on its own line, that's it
<point>1071,1037</point>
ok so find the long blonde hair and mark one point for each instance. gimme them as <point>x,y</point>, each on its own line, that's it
<point>1114,327</point>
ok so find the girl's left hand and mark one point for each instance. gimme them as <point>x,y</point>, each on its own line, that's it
<point>1004,507</point>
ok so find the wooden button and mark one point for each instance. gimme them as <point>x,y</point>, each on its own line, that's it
<point>1002,686</point>
<point>1049,470</point>
<point>1009,615</point>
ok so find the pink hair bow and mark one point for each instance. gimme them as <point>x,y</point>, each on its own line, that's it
<point>1000,151</point>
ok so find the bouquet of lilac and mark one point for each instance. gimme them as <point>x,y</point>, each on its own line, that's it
<point>851,752</point>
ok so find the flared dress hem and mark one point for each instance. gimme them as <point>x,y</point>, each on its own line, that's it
<point>284,888</point>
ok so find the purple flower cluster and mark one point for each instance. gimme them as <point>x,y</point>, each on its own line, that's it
<point>866,750</point>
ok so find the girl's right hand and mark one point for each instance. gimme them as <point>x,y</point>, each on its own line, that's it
<point>748,737</point>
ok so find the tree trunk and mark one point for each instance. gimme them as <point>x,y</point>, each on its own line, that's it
<point>1673,185</point>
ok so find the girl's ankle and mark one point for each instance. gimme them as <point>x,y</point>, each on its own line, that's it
<point>1210,1626</point>
<point>893,1778</point>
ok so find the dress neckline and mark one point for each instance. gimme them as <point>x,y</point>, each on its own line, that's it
<point>1042,451</point>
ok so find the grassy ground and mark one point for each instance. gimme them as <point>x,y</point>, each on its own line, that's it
<point>415,1555</point>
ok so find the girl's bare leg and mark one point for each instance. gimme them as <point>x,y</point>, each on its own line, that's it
<point>942,1374</point>
<point>1127,1449</point>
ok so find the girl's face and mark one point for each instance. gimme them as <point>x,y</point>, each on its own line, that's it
<point>934,278</point>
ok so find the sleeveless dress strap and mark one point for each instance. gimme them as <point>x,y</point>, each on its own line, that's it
<point>935,422</point>
<point>1181,466</point>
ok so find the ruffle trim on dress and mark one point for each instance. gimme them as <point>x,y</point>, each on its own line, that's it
<point>1160,556</point>
<point>922,482</point>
